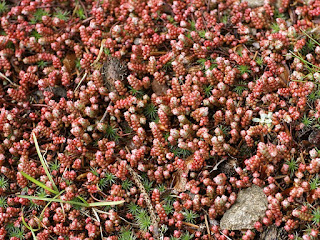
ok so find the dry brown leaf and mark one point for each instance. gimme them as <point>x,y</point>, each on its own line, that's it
<point>181,181</point>
<point>310,199</point>
<point>83,175</point>
<point>285,75</point>
<point>70,62</point>
<point>238,48</point>
<point>180,185</point>
<point>159,89</point>
<point>287,191</point>
<point>161,127</point>
<point>194,69</point>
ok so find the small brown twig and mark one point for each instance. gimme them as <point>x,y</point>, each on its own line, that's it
<point>207,225</point>
<point>94,198</point>
<point>255,55</point>
<point>158,53</point>
<point>6,78</point>
<point>302,158</point>
<point>191,225</point>
<point>280,176</point>
<point>278,185</point>
<point>137,181</point>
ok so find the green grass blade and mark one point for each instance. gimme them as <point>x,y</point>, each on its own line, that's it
<point>304,61</point>
<point>40,184</point>
<point>27,226</point>
<point>33,235</point>
<point>4,76</point>
<point>42,212</point>
<point>315,41</point>
<point>44,165</point>
<point>100,52</point>
<point>97,204</point>
<point>53,200</point>
<point>84,76</point>
<point>84,201</point>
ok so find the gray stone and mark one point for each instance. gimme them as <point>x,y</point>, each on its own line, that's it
<point>249,208</point>
<point>254,3</point>
<point>273,233</point>
<point>260,3</point>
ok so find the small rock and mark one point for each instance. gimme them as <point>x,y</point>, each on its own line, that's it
<point>254,3</point>
<point>314,137</point>
<point>273,233</point>
<point>256,45</point>
<point>260,3</point>
<point>112,70</point>
<point>59,92</point>
<point>249,208</point>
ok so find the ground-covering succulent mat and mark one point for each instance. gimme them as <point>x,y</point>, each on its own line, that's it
<point>153,119</point>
